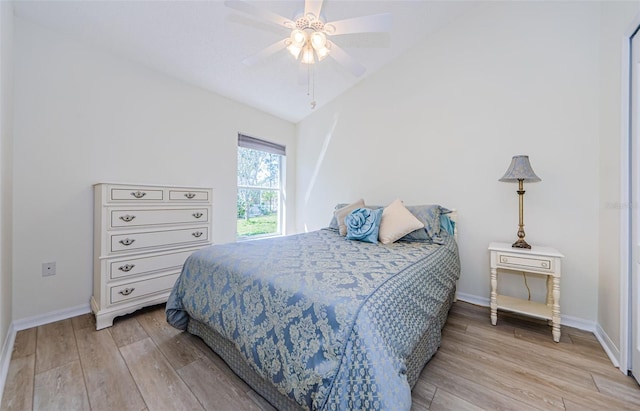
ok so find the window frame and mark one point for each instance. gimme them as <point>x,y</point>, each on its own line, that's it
<point>253,143</point>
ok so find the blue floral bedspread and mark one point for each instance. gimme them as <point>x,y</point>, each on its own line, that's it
<point>329,321</point>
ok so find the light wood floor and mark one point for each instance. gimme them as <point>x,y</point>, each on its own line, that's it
<point>142,363</point>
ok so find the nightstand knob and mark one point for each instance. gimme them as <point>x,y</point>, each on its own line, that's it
<point>503,259</point>
<point>545,264</point>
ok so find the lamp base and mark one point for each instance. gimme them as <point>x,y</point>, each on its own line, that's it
<point>520,243</point>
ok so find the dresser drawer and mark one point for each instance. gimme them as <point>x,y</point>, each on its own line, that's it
<point>188,195</point>
<point>135,194</point>
<point>518,262</point>
<point>135,218</point>
<point>141,240</point>
<point>138,289</point>
<point>145,265</point>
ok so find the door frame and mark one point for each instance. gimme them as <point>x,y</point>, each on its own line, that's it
<point>625,199</point>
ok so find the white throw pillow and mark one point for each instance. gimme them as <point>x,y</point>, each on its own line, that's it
<point>397,222</point>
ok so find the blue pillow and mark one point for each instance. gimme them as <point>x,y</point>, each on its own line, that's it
<point>333,224</point>
<point>429,215</point>
<point>363,224</point>
<point>447,224</point>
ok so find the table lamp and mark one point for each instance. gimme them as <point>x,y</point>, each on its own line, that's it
<point>520,171</point>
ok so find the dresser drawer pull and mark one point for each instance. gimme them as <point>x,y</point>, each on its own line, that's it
<point>138,194</point>
<point>126,291</point>
<point>197,215</point>
<point>189,195</point>
<point>197,234</point>
<point>544,264</point>
<point>127,218</point>
<point>126,268</point>
<point>127,241</point>
<point>503,259</point>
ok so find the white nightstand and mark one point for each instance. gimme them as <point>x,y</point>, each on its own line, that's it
<point>538,260</point>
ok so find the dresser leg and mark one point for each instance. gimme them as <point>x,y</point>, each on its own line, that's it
<point>555,309</point>
<point>494,296</point>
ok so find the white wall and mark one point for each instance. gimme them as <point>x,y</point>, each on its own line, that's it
<point>441,124</point>
<point>84,116</point>
<point>616,21</point>
<point>6,138</point>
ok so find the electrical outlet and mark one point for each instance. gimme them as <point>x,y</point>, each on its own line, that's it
<point>48,269</point>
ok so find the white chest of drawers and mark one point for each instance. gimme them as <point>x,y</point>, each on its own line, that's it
<point>142,236</point>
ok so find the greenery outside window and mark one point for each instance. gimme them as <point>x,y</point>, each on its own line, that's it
<point>260,188</point>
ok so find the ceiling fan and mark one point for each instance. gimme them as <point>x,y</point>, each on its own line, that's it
<point>309,34</point>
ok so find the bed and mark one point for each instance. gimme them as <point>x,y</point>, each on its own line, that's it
<point>317,322</point>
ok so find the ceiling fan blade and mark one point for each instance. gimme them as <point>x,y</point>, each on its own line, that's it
<point>259,13</point>
<point>275,47</point>
<point>312,7</point>
<point>346,60</point>
<point>374,23</point>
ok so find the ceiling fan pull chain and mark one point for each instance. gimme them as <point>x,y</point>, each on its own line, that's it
<point>311,85</point>
<point>308,79</point>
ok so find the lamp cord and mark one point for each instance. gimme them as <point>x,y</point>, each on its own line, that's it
<point>526,285</point>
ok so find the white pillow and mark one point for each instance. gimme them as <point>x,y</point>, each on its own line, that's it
<point>397,222</point>
<point>341,213</point>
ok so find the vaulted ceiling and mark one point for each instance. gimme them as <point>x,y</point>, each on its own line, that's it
<point>204,42</point>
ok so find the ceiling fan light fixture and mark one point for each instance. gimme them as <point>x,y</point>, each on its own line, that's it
<point>318,40</point>
<point>307,55</point>
<point>298,38</point>
<point>324,51</point>
<point>294,50</point>
<point>322,54</point>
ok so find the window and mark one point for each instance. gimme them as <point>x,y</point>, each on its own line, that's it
<point>260,187</point>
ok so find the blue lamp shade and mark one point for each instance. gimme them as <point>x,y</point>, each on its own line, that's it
<point>520,169</point>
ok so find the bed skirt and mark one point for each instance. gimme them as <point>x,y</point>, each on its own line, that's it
<point>422,353</point>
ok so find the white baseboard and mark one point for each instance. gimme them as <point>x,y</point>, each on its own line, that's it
<point>51,317</point>
<point>609,347</point>
<point>569,321</point>
<point>607,344</point>
<point>30,322</point>
<point>5,357</point>
<point>474,299</point>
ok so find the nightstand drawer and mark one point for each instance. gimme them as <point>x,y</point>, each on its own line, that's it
<point>517,262</point>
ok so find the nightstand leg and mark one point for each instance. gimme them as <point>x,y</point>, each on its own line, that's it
<point>549,300</point>
<point>494,296</point>
<point>555,309</point>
